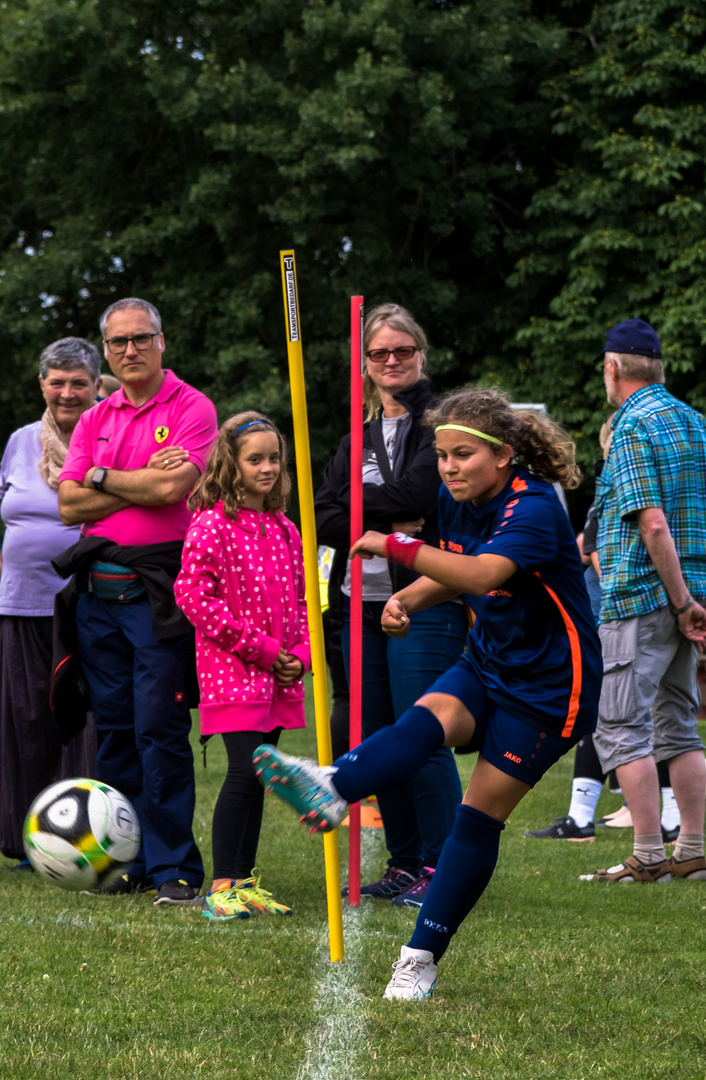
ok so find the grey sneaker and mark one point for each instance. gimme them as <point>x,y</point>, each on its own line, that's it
<point>391,884</point>
<point>413,896</point>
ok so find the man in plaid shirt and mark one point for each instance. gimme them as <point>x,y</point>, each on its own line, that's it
<point>651,503</point>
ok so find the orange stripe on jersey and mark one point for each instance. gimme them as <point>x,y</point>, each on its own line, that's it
<point>575,647</point>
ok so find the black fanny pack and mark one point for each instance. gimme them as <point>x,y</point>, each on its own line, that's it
<point>111,581</point>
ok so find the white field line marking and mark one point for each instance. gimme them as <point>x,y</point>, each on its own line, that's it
<point>102,922</point>
<point>335,1044</point>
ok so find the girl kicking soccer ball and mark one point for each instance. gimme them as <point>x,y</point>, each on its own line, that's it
<point>242,587</point>
<point>527,688</point>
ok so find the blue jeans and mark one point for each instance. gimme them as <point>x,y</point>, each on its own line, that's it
<point>138,698</point>
<point>418,814</point>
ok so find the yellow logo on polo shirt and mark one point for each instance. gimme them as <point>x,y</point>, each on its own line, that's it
<point>161,434</point>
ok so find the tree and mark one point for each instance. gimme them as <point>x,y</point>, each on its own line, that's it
<point>170,151</point>
<point>621,230</point>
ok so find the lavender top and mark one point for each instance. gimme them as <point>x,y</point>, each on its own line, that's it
<point>34,534</point>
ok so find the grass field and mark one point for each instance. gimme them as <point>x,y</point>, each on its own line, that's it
<point>549,977</point>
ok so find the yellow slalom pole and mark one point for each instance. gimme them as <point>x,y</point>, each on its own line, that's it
<point>311,572</point>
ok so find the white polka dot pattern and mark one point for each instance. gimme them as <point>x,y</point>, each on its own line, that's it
<point>245,595</point>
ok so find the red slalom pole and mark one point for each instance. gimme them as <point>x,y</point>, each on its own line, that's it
<point>356,628</point>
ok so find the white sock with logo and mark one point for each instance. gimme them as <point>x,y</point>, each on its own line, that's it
<point>585,794</point>
<point>670,811</point>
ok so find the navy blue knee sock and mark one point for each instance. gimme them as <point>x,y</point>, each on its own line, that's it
<point>465,867</point>
<point>392,754</point>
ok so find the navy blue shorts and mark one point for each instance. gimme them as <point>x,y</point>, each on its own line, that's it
<point>510,744</point>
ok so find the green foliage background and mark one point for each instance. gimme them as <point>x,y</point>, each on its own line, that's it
<point>522,175</point>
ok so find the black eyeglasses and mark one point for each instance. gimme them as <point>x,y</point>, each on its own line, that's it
<point>379,356</point>
<point>118,345</point>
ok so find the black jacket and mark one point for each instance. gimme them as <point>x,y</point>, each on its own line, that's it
<point>158,566</point>
<point>415,494</point>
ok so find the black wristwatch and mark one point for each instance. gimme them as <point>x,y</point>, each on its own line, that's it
<point>98,478</point>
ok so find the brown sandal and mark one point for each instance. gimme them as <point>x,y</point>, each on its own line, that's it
<point>631,870</point>
<point>694,869</point>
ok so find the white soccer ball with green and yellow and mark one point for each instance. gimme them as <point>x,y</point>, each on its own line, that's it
<point>81,834</point>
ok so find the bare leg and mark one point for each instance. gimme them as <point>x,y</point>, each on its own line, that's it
<point>640,784</point>
<point>688,775</point>
<point>494,792</point>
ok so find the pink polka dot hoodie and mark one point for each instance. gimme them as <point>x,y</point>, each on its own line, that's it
<point>242,586</point>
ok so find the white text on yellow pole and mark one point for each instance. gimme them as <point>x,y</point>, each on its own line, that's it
<point>311,571</point>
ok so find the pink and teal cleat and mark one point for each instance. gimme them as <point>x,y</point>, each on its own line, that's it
<point>308,787</point>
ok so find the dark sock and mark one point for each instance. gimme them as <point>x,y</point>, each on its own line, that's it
<point>465,867</point>
<point>392,754</point>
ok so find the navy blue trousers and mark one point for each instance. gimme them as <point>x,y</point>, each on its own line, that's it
<point>419,813</point>
<point>138,698</point>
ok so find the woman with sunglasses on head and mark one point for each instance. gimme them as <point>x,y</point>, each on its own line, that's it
<point>400,494</point>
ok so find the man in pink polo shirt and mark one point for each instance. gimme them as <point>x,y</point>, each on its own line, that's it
<point>126,478</point>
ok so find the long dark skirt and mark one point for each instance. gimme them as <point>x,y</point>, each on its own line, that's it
<point>31,754</point>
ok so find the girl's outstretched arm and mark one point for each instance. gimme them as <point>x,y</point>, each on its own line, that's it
<point>474,574</point>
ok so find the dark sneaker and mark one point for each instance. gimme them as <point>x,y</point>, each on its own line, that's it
<point>24,866</point>
<point>391,884</point>
<point>669,836</point>
<point>565,828</point>
<point>413,895</point>
<point>178,892</point>
<point>126,885</point>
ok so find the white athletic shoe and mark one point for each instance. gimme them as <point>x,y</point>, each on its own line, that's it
<point>302,783</point>
<point>414,976</point>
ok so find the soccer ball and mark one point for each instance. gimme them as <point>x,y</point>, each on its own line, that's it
<point>81,834</point>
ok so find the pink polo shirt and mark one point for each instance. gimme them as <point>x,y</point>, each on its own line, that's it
<point>117,435</point>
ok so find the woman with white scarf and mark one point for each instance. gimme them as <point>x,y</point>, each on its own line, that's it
<point>31,754</point>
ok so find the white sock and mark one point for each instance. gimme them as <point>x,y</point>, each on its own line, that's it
<point>670,811</point>
<point>585,794</point>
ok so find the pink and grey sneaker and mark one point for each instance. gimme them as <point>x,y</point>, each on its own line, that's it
<point>391,884</point>
<point>413,895</point>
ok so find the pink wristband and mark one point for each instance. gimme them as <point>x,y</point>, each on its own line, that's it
<point>401,548</point>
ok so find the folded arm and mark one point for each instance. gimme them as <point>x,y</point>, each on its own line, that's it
<point>124,487</point>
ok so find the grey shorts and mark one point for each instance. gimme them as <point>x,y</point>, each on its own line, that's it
<point>650,698</point>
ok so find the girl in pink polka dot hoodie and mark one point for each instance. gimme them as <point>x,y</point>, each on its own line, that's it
<point>242,587</point>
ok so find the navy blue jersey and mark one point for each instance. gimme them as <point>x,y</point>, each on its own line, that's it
<point>534,644</point>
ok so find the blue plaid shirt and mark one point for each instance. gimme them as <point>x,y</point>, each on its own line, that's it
<point>657,459</point>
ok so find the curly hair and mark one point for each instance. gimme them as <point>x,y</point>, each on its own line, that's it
<point>537,442</point>
<point>222,479</point>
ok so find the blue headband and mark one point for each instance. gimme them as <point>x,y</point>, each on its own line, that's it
<point>251,423</point>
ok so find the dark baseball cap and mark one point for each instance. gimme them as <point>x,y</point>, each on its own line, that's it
<point>634,336</point>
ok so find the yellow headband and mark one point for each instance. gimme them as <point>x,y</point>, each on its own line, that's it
<point>470,430</point>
